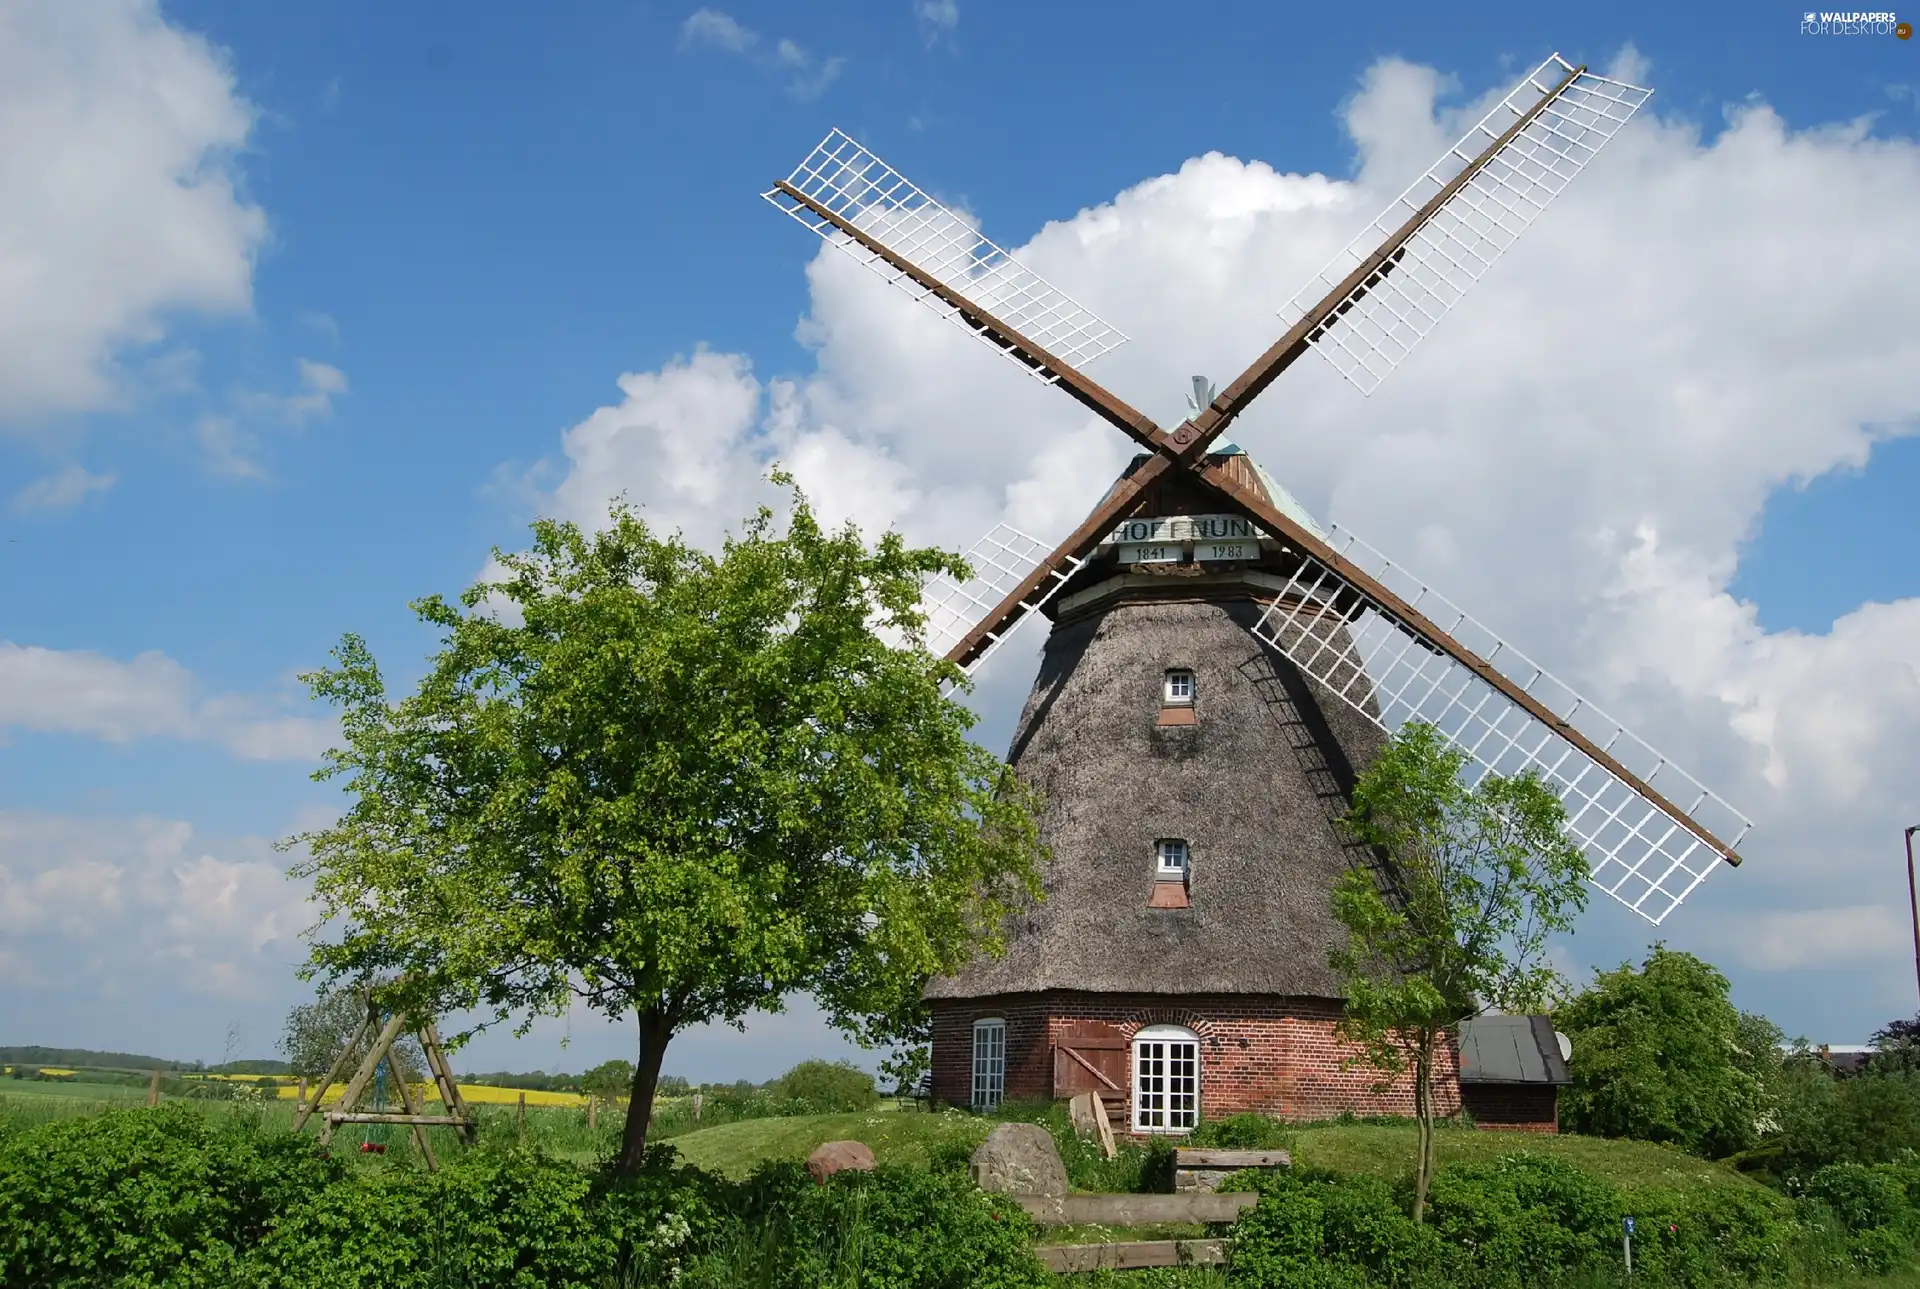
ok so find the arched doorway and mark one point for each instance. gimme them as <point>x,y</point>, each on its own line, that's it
<point>1166,1079</point>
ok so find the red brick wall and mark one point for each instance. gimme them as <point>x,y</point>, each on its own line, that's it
<point>1275,1055</point>
<point>1517,1107</point>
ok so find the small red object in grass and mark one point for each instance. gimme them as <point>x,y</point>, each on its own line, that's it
<point>372,1148</point>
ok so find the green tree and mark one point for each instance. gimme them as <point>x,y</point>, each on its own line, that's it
<point>609,1080</point>
<point>1897,1047</point>
<point>1471,882</point>
<point>672,785</point>
<point>1660,1054</point>
<point>828,1085</point>
<point>316,1032</point>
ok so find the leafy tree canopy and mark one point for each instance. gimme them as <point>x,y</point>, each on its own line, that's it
<point>610,1080</point>
<point>1660,1053</point>
<point>316,1033</point>
<point>828,1085</point>
<point>1898,1042</point>
<point>1455,921</point>
<point>672,785</point>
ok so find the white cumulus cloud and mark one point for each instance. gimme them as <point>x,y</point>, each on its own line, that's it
<point>101,905</point>
<point>53,691</point>
<point>118,132</point>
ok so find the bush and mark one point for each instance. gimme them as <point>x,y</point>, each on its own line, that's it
<point>143,1197</point>
<point>829,1086</point>
<point>1861,1198</point>
<point>1712,1236</point>
<point>482,1219</point>
<point>1658,1056</point>
<point>1319,1229</point>
<point>1872,1119</point>
<point>1243,1132</point>
<point>1524,1220</point>
<point>893,1228</point>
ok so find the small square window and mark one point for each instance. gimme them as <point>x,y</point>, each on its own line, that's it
<point>1178,691</point>
<point>1171,853</point>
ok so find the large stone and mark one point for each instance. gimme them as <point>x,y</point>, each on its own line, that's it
<point>838,1157</point>
<point>1019,1159</point>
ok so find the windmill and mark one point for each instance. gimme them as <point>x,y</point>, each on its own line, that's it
<point>1356,631</point>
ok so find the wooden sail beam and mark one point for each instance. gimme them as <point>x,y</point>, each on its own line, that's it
<point>1192,437</point>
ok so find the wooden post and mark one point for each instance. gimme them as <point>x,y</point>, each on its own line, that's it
<point>449,1089</point>
<point>593,1103</point>
<point>339,1068</point>
<point>364,1075</point>
<point>153,1090</point>
<point>522,1128</point>
<point>417,1109</point>
<point>696,1107</point>
<point>301,1099</point>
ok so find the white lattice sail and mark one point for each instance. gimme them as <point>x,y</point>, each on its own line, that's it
<point>872,196</point>
<point>1641,854</point>
<point>1001,561</point>
<point>1387,314</point>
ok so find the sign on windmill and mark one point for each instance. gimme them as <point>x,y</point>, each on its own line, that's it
<point>1169,539</point>
<point>1385,642</point>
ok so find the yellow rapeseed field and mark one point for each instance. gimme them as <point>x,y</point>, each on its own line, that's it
<point>474,1093</point>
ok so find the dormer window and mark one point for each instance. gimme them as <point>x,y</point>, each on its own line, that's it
<point>1178,690</point>
<point>1171,859</point>
<point>1176,697</point>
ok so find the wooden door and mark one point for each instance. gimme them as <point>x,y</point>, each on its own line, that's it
<point>1090,1056</point>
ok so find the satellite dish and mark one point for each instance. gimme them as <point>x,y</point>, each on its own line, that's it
<point>1566,1045</point>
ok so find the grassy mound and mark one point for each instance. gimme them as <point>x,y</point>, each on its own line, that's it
<point>1377,1150</point>
<point>903,1137</point>
<point>1387,1150</point>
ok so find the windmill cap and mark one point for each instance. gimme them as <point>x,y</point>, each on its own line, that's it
<point>1283,501</point>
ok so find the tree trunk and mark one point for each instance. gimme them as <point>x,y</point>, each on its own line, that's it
<point>655,1032</point>
<point>1423,1114</point>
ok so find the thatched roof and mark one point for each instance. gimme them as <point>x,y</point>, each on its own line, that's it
<point>1255,787</point>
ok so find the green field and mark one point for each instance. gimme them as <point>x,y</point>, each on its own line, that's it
<point>106,1094</point>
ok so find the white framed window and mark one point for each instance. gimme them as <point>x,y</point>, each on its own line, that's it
<point>1177,691</point>
<point>989,1063</point>
<point>1166,1079</point>
<point>1170,857</point>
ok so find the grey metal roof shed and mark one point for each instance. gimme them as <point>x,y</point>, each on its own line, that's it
<point>1511,1049</point>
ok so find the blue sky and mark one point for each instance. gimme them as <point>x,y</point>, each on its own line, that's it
<point>337,291</point>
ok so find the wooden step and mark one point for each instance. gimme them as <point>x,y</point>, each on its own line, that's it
<point>1136,1210</point>
<point>1132,1254</point>
<point>1193,1157</point>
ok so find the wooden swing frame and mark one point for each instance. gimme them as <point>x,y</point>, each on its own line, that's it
<point>386,1033</point>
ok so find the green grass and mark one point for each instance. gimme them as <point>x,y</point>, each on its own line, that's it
<point>1386,1150</point>
<point>75,1090</point>
<point>1383,1150</point>
<point>896,1138</point>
